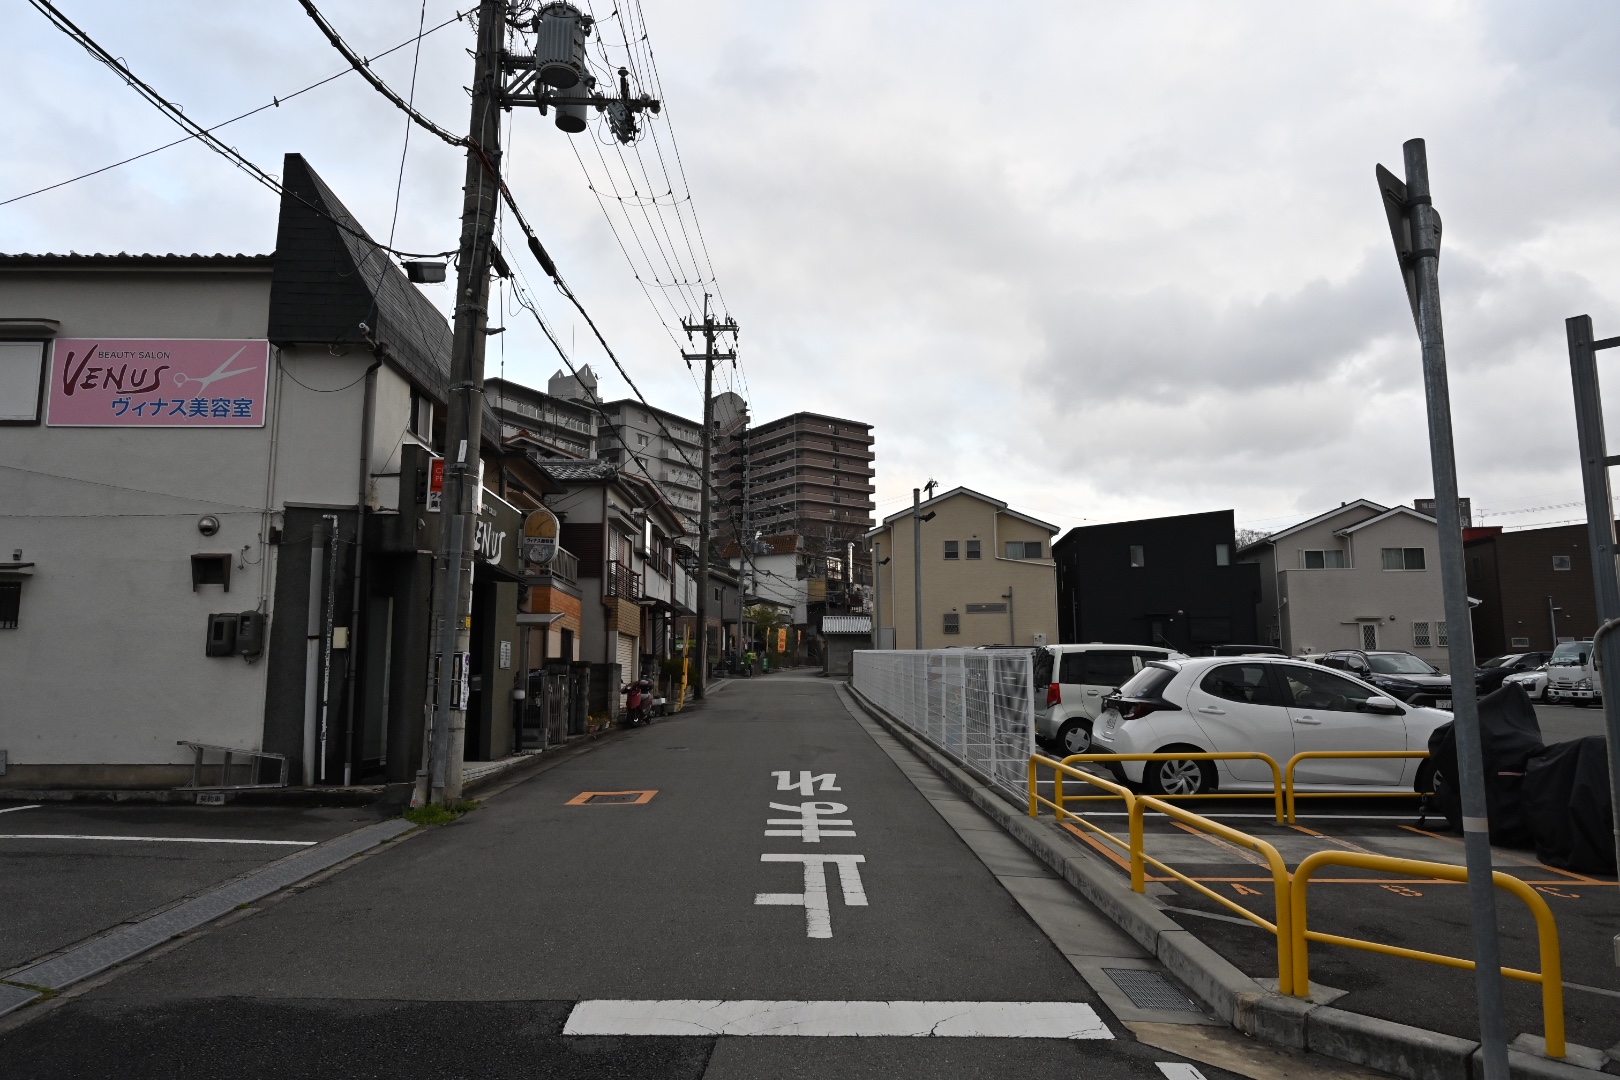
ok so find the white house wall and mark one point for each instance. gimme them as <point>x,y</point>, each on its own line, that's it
<point>107,664</point>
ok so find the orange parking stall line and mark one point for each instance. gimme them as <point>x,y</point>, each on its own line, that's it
<point>1515,859</point>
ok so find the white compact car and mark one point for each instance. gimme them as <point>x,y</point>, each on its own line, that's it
<point>1082,676</point>
<point>1274,706</point>
<point>1534,683</point>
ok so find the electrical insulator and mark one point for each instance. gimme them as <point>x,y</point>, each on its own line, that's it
<point>559,49</point>
<point>571,106</point>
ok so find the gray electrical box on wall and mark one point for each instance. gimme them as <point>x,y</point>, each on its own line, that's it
<point>250,633</point>
<point>221,635</point>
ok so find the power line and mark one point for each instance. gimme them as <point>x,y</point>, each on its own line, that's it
<point>176,114</point>
<point>273,103</point>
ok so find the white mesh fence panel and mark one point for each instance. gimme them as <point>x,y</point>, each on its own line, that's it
<point>976,705</point>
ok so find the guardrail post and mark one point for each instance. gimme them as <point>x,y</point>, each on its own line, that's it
<point>1034,808</point>
<point>1134,810</point>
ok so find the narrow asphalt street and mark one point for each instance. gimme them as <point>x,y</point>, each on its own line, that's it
<point>766,864</point>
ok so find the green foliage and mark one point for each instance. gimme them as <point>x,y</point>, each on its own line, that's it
<point>434,814</point>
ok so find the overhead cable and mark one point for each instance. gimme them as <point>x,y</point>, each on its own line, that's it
<point>202,134</point>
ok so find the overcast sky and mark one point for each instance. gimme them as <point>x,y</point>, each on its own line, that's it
<point>1100,260</point>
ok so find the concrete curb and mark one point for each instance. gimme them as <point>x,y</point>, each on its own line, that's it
<point>1399,1049</point>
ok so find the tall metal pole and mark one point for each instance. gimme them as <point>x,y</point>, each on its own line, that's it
<point>703,504</point>
<point>1425,257</point>
<point>916,565</point>
<point>1600,532</point>
<point>465,413</point>
<point>877,594</point>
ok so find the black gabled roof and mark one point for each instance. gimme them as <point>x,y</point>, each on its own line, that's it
<point>328,281</point>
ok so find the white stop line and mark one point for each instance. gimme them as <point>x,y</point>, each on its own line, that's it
<point>910,1019</point>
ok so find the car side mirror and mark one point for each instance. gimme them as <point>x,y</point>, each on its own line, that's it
<point>1387,706</point>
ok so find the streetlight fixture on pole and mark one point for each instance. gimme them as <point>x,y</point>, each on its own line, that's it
<point>1415,227</point>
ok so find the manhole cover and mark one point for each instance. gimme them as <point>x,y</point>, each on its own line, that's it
<point>611,798</point>
<point>1149,990</point>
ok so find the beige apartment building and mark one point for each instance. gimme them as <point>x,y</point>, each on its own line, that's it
<point>1363,576</point>
<point>988,577</point>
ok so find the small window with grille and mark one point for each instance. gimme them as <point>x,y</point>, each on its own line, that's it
<point>1420,636</point>
<point>1560,562</point>
<point>10,604</point>
<point>1440,634</point>
<point>953,623</point>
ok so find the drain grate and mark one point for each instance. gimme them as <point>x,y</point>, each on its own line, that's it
<point>1150,990</point>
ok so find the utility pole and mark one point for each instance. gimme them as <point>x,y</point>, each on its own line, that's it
<point>1415,228</point>
<point>916,567</point>
<point>1595,464</point>
<point>708,328</point>
<point>453,567</point>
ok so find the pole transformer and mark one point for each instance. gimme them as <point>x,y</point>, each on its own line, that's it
<point>708,328</point>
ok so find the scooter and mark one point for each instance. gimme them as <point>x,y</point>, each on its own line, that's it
<point>638,705</point>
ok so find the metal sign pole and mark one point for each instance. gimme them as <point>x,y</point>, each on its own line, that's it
<point>1418,249</point>
<point>1595,464</point>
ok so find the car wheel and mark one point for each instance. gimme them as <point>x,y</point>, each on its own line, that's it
<point>1179,777</point>
<point>1075,737</point>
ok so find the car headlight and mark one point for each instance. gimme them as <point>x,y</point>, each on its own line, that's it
<point>1584,684</point>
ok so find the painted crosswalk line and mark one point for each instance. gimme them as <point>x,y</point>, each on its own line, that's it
<point>942,1019</point>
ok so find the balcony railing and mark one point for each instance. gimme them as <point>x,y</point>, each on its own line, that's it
<point>622,582</point>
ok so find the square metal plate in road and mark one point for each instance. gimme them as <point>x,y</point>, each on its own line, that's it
<point>1150,990</point>
<point>611,798</point>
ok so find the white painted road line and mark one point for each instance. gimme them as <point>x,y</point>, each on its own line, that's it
<point>1178,1070</point>
<point>817,911</point>
<point>943,1019</point>
<point>9,809</point>
<point>157,839</point>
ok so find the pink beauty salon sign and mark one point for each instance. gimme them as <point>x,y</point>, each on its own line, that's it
<point>157,382</point>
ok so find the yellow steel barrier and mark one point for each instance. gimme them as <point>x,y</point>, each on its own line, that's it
<point>1136,807</point>
<point>1551,975</point>
<point>1117,791</point>
<point>1276,792</point>
<point>1288,776</point>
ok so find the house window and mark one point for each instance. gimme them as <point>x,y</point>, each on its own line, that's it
<point>10,604</point>
<point>1404,559</point>
<point>973,549</point>
<point>1369,635</point>
<point>1137,557</point>
<point>1440,634</point>
<point>1420,636</point>
<point>1521,643</point>
<point>951,549</point>
<point>22,375</point>
<point>1329,559</point>
<point>1560,562</point>
<point>953,623</point>
<point>1223,554</point>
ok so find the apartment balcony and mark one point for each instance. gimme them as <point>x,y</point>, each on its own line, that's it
<point>622,582</point>
<point>562,572</point>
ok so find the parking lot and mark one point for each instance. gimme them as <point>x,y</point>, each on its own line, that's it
<point>1413,912</point>
<point>69,871</point>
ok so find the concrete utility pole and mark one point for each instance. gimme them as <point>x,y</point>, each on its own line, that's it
<point>709,328</point>
<point>1595,464</point>
<point>453,569</point>
<point>1415,228</point>
<point>916,566</point>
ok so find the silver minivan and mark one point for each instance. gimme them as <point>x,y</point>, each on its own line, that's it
<point>1082,676</point>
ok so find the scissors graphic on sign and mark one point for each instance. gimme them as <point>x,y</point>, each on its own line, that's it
<point>181,378</point>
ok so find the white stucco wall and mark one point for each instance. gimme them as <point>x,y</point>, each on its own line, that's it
<point>107,665</point>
